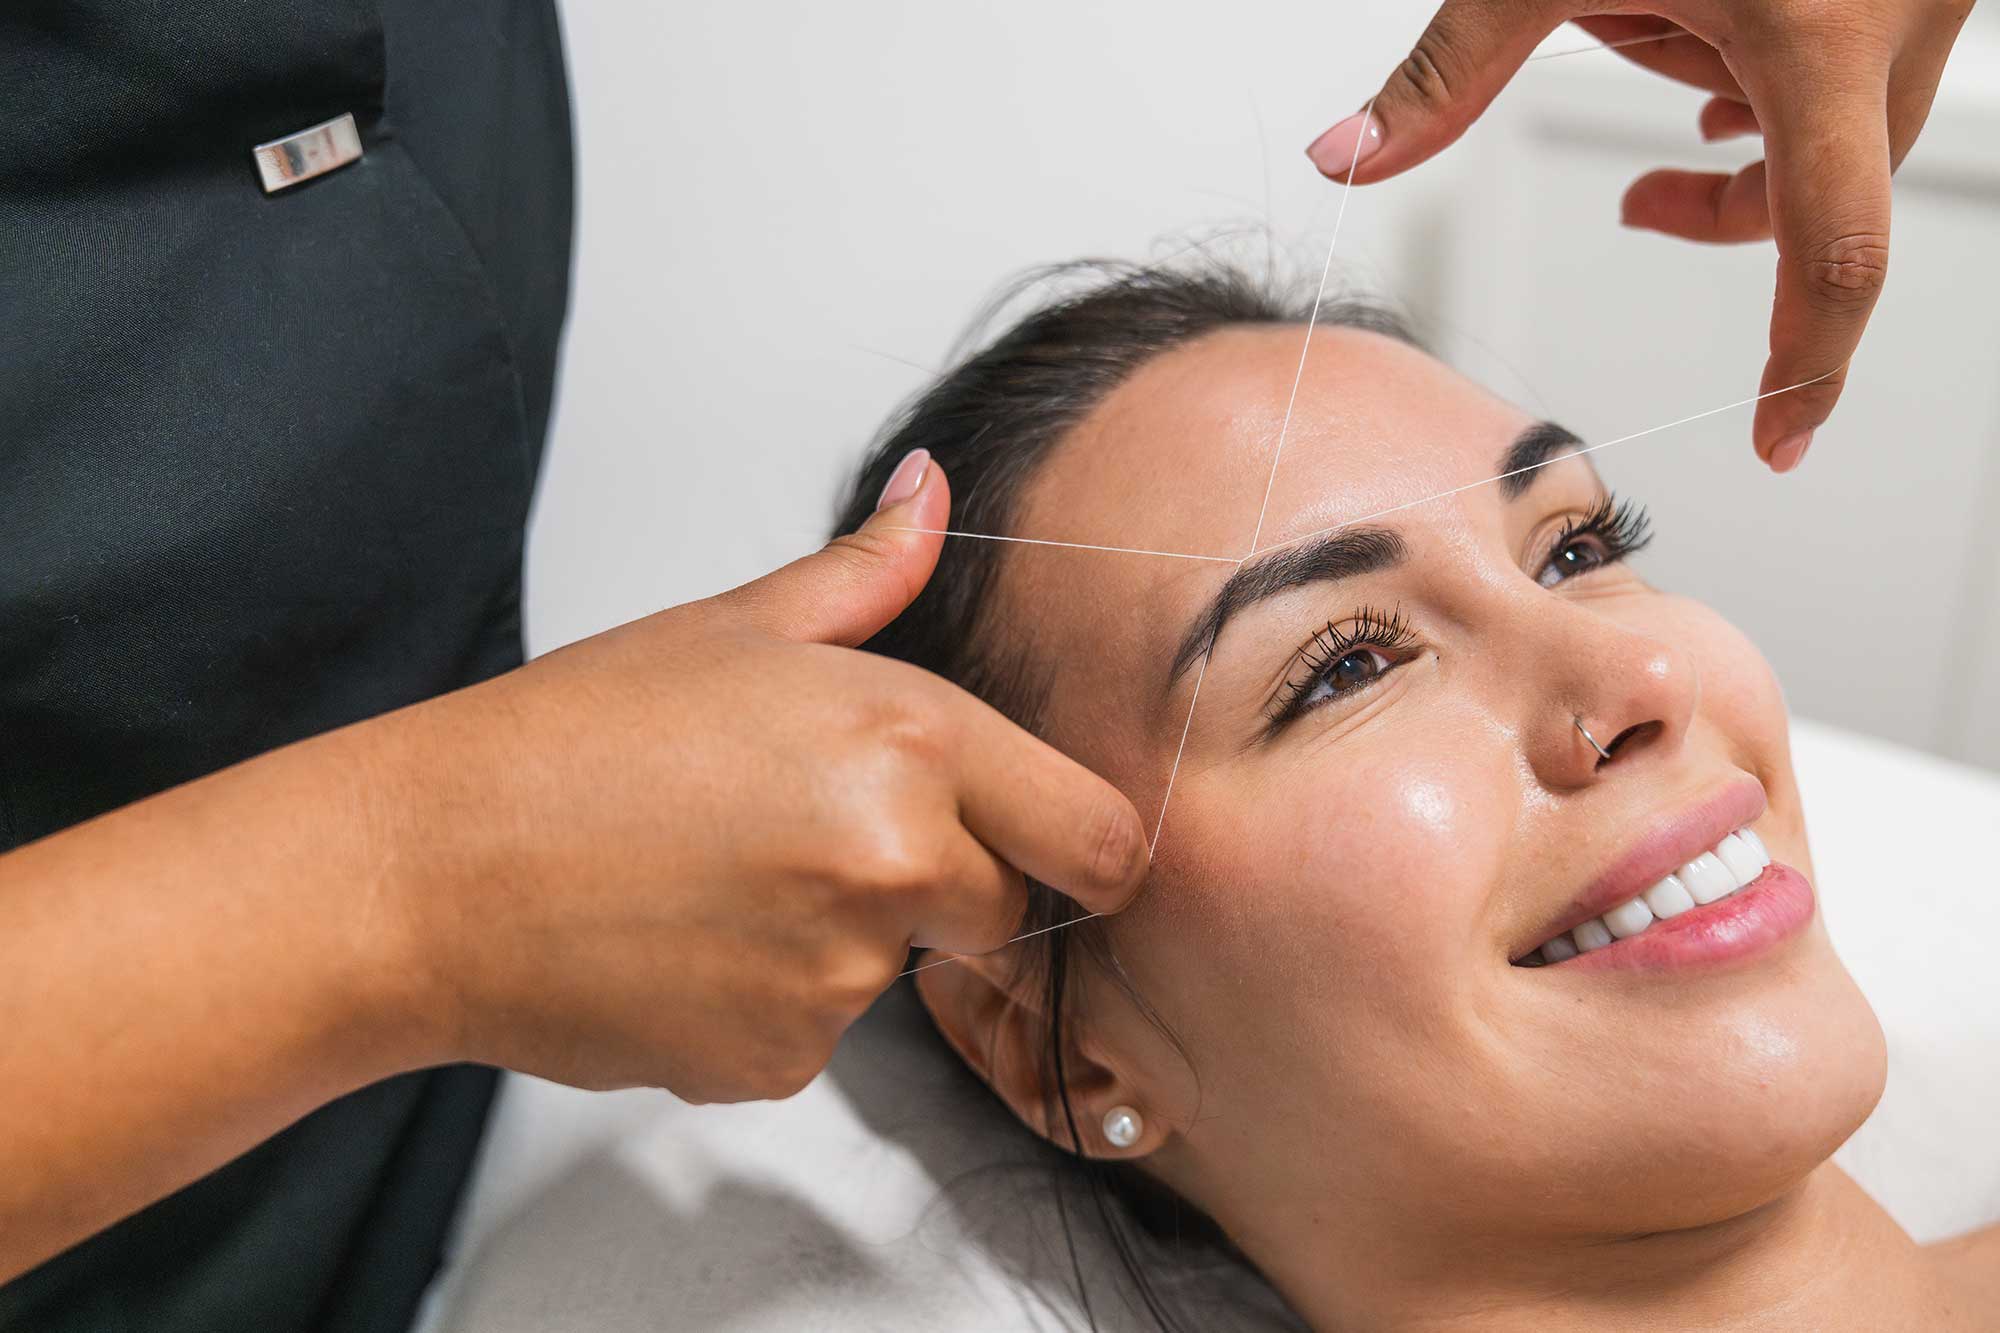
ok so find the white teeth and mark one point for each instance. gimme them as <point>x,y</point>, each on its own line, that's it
<point>1706,879</point>
<point>1628,918</point>
<point>1591,935</point>
<point>1734,863</point>
<point>1734,853</point>
<point>1668,898</point>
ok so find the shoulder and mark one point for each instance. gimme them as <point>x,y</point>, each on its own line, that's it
<point>1969,1266</point>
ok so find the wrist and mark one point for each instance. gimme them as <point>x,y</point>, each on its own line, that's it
<point>389,927</point>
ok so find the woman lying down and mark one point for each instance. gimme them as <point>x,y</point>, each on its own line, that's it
<point>1478,981</point>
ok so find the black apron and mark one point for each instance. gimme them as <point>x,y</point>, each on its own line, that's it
<point>265,463</point>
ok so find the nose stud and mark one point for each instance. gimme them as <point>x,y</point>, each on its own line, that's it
<point>1602,753</point>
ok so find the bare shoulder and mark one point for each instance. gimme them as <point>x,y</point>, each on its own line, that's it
<point>1970,1266</point>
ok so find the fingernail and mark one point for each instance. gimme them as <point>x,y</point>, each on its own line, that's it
<point>1348,144</point>
<point>903,482</point>
<point>1785,455</point>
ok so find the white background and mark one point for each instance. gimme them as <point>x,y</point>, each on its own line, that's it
<point>788,211</point>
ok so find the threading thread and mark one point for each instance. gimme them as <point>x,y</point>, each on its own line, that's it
<point>1270,482</point>
<point>1546,462</point>
<point>1074,546</point>
<point>1608,46</point>
<point>1312,321</point>
<point>1202,673</point>
<point>1277,454</point>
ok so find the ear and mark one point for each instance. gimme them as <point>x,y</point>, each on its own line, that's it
<point>998,1023</point>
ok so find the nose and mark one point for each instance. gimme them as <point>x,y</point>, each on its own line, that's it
<point>1619,699</point>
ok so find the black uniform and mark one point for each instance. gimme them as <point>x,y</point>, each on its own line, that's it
<point>265,462</point>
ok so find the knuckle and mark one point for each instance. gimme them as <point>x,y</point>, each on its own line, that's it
<point>790,1077</point>
<point>850,982</point>
<point>1003,923</point>
<point>913,735</point>
<point>792,1055</point>
<point>1426,73</point>
<point>861,552</point>
<point>885,859</point>
<point>1848,270</point>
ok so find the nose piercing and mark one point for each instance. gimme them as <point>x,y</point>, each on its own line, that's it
<point>1602,753</point>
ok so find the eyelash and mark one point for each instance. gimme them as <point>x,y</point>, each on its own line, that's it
<point>1366,628</point>
<point>1621,528</point>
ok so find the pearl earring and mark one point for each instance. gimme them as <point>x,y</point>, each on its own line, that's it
<point>1122,1126</point>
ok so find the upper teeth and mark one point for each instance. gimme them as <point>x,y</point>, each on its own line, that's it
<point>1730,865</point>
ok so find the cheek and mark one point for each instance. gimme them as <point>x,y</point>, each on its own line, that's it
<point>1740,695</point>
<point>1742,713</point>
<point>1336,899</point>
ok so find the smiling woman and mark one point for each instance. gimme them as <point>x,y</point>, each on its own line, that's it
<point>1479,975</point>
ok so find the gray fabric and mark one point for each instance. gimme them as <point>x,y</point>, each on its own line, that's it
<point>894,1193</point>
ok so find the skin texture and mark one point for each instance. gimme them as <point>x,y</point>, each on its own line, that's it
<point>1838,88</point>
<point>1397,1126</point>
<point>684,853</point>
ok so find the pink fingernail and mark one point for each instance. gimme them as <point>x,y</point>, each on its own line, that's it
<point>1348,144</point>
<point>1785,455</point>
<point>903,482</point>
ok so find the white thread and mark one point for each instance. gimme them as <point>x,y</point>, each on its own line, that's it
<point>1608,46</point>
<point>1202,673</point>
<point>1075,546</point>
<point>1271,480</point>
<point>1187,724</point>
<point>953,958</point>
<point>1179,750</point>
<point>1546,462</point>
<point>1319,296</point>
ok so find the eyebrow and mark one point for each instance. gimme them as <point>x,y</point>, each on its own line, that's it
<point>1349,552</point>
<point>1533,447</point>
<point>1344,554</point>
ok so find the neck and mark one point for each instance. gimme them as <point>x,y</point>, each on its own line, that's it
<point>1823,1256</point>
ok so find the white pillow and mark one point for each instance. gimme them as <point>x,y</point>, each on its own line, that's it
<point>871,1201</point>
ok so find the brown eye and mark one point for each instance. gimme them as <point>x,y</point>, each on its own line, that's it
<point>1356,669</point>
<point>1348,673</point>
<point>1573,557</point>
<point>1344,659</point>
<point>1612,530</point>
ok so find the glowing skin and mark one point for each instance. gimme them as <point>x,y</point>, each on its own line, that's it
<point>1334,904</point>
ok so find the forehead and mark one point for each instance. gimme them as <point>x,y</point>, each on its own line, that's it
<point>1179,456</point>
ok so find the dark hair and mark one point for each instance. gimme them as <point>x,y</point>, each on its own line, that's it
<point>990,422</point>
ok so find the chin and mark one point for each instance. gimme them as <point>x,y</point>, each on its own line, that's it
<point>1779,1077</point>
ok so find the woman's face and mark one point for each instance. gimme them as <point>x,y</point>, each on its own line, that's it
<point>1384,801</point>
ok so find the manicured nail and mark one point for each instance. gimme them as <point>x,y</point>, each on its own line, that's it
<point>1785,455</point>
<point>903,482</point>
<point>1348,144</point>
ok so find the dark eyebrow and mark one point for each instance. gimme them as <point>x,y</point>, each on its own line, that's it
<point>1347,552</point>
<point>1533,447</point>
<point>1337,555</point>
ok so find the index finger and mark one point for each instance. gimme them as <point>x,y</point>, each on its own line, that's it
<point>1459,65</point>
<point>1047,815</point>
<point>1828,155</point>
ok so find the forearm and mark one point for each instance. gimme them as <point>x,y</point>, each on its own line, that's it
<point>182,978</point>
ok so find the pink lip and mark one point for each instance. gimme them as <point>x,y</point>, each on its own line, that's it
<point>1667,845</point>
<point>1761,915</point>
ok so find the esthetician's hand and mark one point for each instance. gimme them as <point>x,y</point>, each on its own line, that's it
<point>1838,88</point>
<point>690,851</point>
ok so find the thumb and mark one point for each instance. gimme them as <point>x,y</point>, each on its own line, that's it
<point>850,588</point>
<point>1465,57</point>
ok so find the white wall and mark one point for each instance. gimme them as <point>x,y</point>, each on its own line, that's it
<point>787,211</point>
